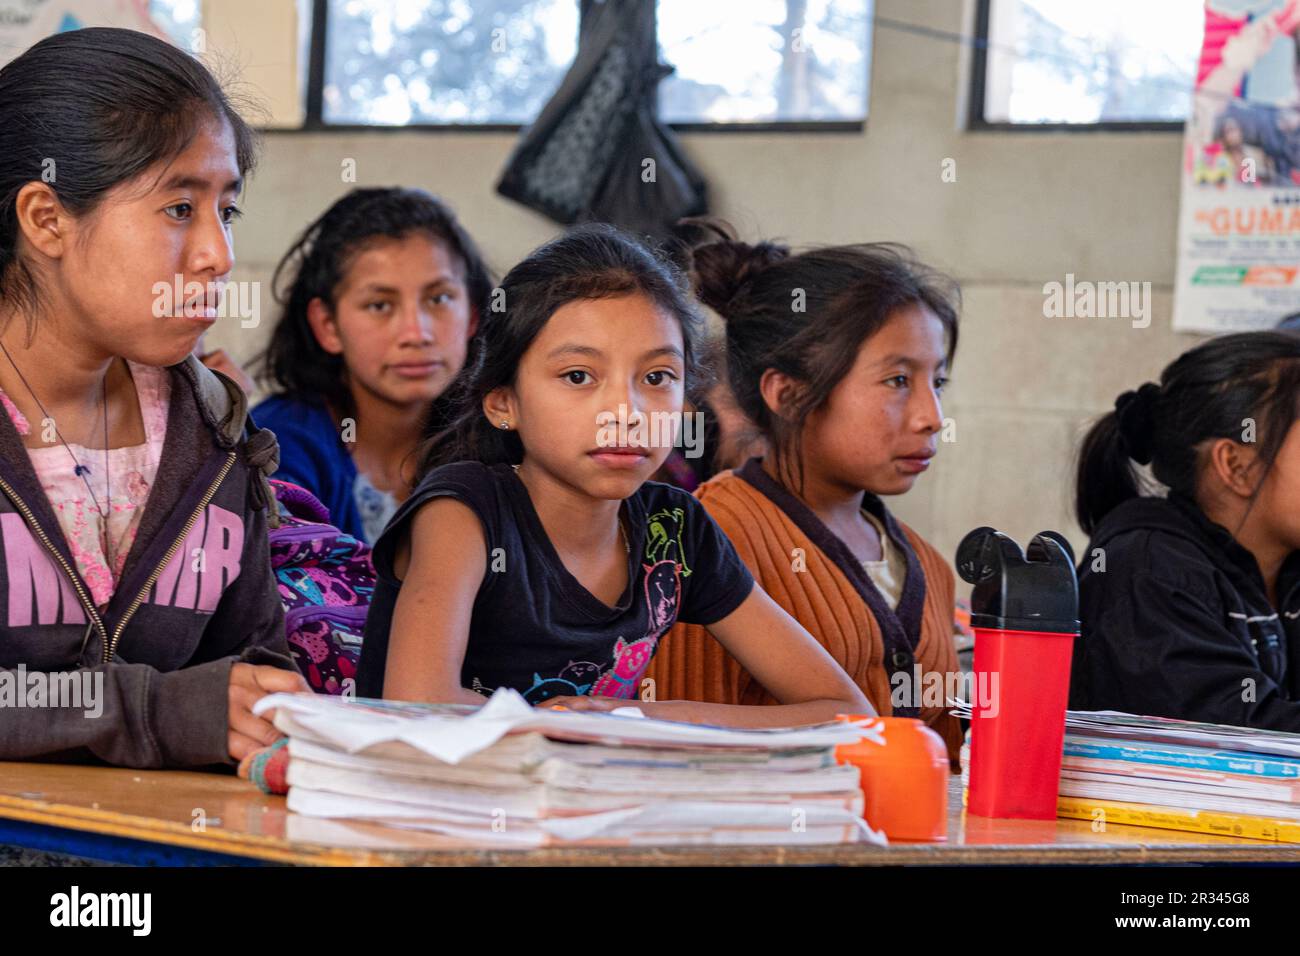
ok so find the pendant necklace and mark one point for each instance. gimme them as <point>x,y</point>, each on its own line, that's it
<point>79,469</point>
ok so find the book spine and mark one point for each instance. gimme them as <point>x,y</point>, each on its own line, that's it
<point>1174,818</point>
<point>1219,762</point>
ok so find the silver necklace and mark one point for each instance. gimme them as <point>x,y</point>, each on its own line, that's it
<point>78,468</point>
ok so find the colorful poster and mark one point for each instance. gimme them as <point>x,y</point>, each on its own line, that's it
<point>1239,225</point>
<point>24,22</point>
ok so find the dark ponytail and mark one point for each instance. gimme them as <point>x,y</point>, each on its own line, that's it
<point>721,265</point>
<point>1107,476</point>
<point>1222,388</point>
<point>88,110</point>
<point>593,261</point>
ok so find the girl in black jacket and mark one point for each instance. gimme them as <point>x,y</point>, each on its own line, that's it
<point>1189,603</point>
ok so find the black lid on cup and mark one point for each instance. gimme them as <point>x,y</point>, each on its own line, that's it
<point>1014,590</point>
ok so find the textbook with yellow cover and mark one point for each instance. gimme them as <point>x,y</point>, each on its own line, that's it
<point>1178,818</point>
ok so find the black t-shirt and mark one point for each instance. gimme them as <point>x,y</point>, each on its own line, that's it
<point>535,627</point>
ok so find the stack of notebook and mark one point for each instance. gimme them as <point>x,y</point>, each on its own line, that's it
<point>1152,771</point>
<point>511,775</point>
<point>1179,775</point>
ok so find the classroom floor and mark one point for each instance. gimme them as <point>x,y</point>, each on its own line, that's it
<point>11,856</point>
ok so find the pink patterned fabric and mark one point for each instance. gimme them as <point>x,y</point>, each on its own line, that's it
<point>131,470</point>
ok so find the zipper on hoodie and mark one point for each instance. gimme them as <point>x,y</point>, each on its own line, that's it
<point>110,646</point>
<point>110,643</point>
<point>92,612</point>
<point>1289,601</point>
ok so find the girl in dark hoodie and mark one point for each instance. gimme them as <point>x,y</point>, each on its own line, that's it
<point>1190,602</point>
<point>139,620</point>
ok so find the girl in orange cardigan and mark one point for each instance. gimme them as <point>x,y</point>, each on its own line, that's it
<point>839,356</point>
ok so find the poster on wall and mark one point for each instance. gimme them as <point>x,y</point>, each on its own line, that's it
<point>24,22</point>
<point>1239,222</point>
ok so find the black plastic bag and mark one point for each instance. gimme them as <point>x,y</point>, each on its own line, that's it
<point>597,150</point>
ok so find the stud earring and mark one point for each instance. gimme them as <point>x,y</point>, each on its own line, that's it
<point>505,424</point>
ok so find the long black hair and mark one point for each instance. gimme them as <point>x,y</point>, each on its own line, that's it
<point>88,110</point>
<point>592,261</point>
<point>848,294</point>
<point>316,264</point>
<point>1234,386</point>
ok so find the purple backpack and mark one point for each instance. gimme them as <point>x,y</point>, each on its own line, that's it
<point>326,581</point>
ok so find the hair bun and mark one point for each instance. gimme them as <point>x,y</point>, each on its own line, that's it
<point>1135,411</point>
<point>720,264</point>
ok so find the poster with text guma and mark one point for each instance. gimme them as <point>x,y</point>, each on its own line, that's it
<point>1239,223</point>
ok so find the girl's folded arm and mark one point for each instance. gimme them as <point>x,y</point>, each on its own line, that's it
<point>783,657</point>
<point>441,566</point>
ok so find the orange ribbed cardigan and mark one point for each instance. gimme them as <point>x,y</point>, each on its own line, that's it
<point>692,665</point>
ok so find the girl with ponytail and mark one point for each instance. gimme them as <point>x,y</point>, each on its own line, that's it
<point>1190,588</point>
<point>384,293</point>
<point>534,553</point>
<point>838,355</point>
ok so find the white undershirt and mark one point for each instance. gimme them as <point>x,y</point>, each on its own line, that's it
<point>890,571</point>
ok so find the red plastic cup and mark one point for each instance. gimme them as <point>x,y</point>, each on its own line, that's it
<point>1016,736</point>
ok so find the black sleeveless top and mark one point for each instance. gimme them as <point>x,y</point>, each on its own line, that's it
<point>535,627</point>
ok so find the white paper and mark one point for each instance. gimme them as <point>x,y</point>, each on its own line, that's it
<point>354,725</point>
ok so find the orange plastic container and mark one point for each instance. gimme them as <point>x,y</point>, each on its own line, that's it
<point>903,768</point>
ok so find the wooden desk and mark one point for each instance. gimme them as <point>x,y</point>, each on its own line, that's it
<point>145,817</point>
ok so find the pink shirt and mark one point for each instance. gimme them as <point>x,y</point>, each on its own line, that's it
<point>131,471</point>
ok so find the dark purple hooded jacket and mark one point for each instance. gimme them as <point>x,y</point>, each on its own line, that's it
<point>196,595</point>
